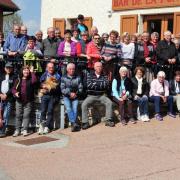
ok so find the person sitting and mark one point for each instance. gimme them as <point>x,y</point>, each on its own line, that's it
<point>71,88</point>
<point>122,95</point>
<point>111,53</point>
<point>140,91</point>
<point>174,86</point>
<point>7,80</point>
<point>97,85</point>
<point>159,93</point>
<point>94,51</point>
<point>50,94</point>
<point>23,91</point>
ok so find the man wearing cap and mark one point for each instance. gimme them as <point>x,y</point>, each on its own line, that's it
<point>80,25</point>
<point>6,83</point>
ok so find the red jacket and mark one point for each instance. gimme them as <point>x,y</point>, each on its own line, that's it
<point>94,53</point>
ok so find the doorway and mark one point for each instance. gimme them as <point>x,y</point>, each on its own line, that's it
<point>158,23</point>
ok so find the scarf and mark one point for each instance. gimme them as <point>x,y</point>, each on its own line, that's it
<point>140,82</point>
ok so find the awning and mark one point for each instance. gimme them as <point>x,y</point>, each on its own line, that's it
<point>8,6</point>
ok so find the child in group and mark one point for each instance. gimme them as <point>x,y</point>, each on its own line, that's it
<point>32,55</point>
<point>23,90</point>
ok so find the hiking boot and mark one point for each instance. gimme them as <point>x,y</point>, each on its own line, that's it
<point>85,126</point>
<point>16,133</point>
<point>110,123</point>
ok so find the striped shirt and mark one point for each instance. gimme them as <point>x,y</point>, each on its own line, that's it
<point>111,50</point>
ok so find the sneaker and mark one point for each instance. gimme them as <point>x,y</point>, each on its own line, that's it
<point>132,120</point>
<point>41,129</point>
<point>85,126</point>
<point>75,127</point>
<point>123,122</point>
<point>159,117</point>
<point>171,115</point>
<point>142,118</point>
<point>25,133</point>
<point>146,118</point>
<point>46,130</point>
<point>110,123</point>
<point>16,133</point>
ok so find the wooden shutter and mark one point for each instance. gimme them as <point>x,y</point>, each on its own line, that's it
<point>61,24</point>
<point>88,22</point>
<point>129,24</point>
<point>176,28</point>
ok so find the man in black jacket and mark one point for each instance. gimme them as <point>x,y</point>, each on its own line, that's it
<point>167,54</point>
<point>6,84</point>
<point>97,87</point>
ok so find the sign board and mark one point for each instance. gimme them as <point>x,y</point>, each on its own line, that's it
<point>120,5</point>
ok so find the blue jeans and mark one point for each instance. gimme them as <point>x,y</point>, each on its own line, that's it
<point>143,105</point>
<point>71,108</point>
<point>47,106</point>
<point>157,103</point>
<point>6,106</point>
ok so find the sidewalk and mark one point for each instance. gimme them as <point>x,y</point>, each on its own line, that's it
<point>144,151</point>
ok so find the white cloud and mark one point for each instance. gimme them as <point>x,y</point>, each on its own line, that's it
<point>32,26</point>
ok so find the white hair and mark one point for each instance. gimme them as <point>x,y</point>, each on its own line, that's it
<point>167,33</point>
<point>161,74</point>
<point>70,65</point>
<point>123,68</point>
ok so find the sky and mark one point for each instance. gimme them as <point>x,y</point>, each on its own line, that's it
<point>30,13</point>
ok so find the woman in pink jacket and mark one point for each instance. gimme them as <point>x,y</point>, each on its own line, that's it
<point>159,93</point>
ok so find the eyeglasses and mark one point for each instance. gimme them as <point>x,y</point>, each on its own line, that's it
<point>96,38</point>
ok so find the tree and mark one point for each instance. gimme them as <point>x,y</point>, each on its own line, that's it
<point>9,21</point>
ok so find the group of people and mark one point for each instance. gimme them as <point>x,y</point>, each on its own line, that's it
<point>129,70</point>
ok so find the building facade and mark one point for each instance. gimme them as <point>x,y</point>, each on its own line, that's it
<point>121,15</point>
<point>6,7</point>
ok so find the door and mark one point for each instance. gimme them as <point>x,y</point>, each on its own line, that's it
<point>129,24</point>
<point>61,24</point>
<point>176,24</point>
<point>158,23</point>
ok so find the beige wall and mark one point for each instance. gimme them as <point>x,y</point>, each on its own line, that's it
<point>97,9</point>
<point>1,20</point>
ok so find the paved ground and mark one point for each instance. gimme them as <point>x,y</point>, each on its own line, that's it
<point>145,151</point>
